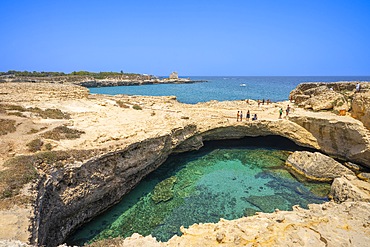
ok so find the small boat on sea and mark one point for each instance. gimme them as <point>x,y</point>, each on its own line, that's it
<point>243,85</point>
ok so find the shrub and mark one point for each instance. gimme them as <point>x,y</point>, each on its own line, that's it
<point>7,126</point>
<point>122,104</point>
<point>137,107</point>
<point>33,131</point>
<point>15,177</point>
<point>35,145</point>
<point>50,113</point>
<point>62,132</point>
<point>48,146</point>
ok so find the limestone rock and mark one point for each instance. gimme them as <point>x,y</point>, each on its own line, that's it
<point>364,176</point>
<point>328,224</point>
<point>326,100</point>
<point>352,166</point>
<point>361,108</point>
<point>342,137</point>
<point>335,96</point>
<point>350,188</point>
<point>317,166</point>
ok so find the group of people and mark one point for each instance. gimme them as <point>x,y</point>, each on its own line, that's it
<point>263,102</point>
<point>239,116</point>
<point>286,111</point>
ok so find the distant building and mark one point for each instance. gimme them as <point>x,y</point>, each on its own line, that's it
<point>174,75</point>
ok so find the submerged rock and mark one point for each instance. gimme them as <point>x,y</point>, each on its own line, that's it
<point>317,166</point>
<point>163,191</point>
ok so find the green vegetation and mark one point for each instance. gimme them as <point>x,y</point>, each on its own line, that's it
<point>48,146</point>
<point>15,177</point>
<point>137,107</point>
<point>47,113</point>
<point>7,126</point>
<point>21,170</point>
<point>62,132</point>
<point>32,74</point>
<point>100,75</point>
<point>122,104</point>
<point>35,145</point>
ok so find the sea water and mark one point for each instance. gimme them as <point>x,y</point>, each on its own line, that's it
<point>275,88</point>
<point>228,179</point>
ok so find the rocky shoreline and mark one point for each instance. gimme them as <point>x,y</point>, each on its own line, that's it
<point>88,82</point>
<point>124,138</point>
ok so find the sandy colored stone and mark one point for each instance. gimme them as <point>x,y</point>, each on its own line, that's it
<point>361,107</point>
<point>130,143</point>
<point>317,166</point>
<point>350,188</point>
<point>328,224</point>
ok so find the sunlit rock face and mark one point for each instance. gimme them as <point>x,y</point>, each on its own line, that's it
<point>350,188</point>
<point>317,166</point>
<point>345,138</point>
<point>361,107</point>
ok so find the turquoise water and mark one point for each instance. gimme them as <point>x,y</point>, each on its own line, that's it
<point>276,88</point>
<point>204,186</point>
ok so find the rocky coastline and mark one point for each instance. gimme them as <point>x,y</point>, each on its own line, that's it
<point>124,138</point>
<point>88,82</point>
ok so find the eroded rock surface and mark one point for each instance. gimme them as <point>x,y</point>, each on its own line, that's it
<point>350,188</point>
<point>121,144</point>
<point>329,224</point>
<point>317,166</point>
<point>361,107</point>
<point>336,97</point>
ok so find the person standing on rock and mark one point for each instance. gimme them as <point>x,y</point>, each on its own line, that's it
<point>287,110</point>
<point>280,113</point>
<point>237,116</point>
<point>241,116</point>
<point>358,87</point>
<point>248,115</point>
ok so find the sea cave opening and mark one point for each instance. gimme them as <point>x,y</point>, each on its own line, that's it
<point>224,179</point>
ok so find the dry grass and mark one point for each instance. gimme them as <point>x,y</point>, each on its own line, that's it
<point>35,145</point>
<point>15,177</point>
<point>122,104</point>
<point>22,169</point>
<point>7,126</point>
<point>62,132</point>
<point>137,107</point>
<point>47,113</point>
<point>50,113</point>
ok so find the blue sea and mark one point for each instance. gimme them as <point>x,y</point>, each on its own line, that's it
<point>221,88</point>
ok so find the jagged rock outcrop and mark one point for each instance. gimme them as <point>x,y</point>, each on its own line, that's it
<point>350,188</point>
<point>361,107</point>
<point>335,96</point>
<point>317,166</point>
<point>346,139</point>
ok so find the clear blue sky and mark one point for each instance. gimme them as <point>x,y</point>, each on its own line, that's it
<point>194,37</point>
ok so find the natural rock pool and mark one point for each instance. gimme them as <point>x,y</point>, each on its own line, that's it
<point>225,179</point>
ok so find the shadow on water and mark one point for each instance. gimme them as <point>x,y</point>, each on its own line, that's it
<point>224,179</point>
